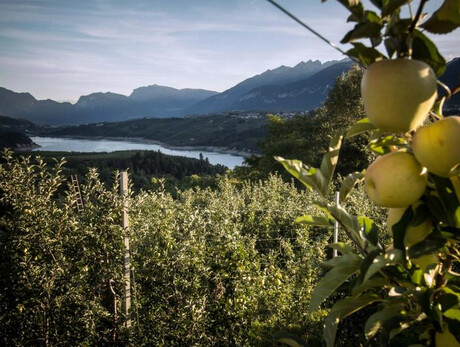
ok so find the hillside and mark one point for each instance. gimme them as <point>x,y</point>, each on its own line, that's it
<point>13,133</point>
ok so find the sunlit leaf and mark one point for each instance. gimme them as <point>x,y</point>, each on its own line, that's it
<point>342,247</point>
<point>315,221</point>
<point>361,126</point>
<point>330,159</point>
<point>369,229</point>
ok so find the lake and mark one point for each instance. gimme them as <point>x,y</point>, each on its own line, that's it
<point>59,144</point>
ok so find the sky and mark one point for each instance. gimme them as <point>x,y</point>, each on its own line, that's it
<point>62,49</point>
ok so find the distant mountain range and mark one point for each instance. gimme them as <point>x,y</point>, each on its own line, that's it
<point>299,88</point>
<point>151,101</point>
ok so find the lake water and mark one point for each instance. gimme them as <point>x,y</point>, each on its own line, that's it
<point>86,145</point>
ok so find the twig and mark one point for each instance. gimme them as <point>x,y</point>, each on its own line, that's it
<point>417,16</point>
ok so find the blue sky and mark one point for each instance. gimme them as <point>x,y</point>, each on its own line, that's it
<point>61,49</point>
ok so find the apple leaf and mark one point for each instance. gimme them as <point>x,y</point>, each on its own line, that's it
<point>354,6</point>
<point>391,257</point>
<point>361,126</point>
<point>290,340</point>
<point>346,266</point>
<point>374,282</point>
<point>349,222</point>
<point>449,200</point>
<point>431,244</point>
<point>392,5</point>
<point>376,321</point>
<point>349,183</point>
<point>425,50</point>
<point>315,221</point>
<point>369,229</point>
<point>330,160</point>
<point>369,30</point>
<point>342,247</point>
<point>341,310</point>
<point>383,145</point>
<point>311,177</point>
<point>399,229</point>
<point>366,55</point>
<point>445,19</point>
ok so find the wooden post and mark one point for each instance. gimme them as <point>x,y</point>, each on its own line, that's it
<point>336,226</point>
<point>126,266</point>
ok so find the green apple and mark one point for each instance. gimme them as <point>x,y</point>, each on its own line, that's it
<point>395,180</point>
<point>398,94</point>
<point>414,234</point>
<point>437,146</point>
<point>446,338</point>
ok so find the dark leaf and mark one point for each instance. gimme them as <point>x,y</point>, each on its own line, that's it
<point>445,19</point>
<point>425,50</point>
<point>392,5</point>
<point>342,309</point>
<point>348,184</point>
<point>366,55</point>
<point>369,30</point>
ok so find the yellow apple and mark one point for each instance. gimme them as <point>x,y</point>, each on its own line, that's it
<point>414,234</point>
<point>395,180</point>
<point>437,146</point>
<point>446,338</point>
<point>398,94</point>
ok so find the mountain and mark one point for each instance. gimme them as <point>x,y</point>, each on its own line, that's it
<point>451,78</point>
<point>305,94</point>
<point>151,101</point>
<point>12,103</point>
<point>281,75</point>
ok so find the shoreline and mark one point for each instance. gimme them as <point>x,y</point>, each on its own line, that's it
<point>215,149</point>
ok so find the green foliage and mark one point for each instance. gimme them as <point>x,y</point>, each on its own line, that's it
<point>56,264</point>
<point>142,166</point>
<point>227,266</point>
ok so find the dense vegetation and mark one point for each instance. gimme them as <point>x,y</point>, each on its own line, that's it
<point>145,167</point>
<point>225,266</point>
